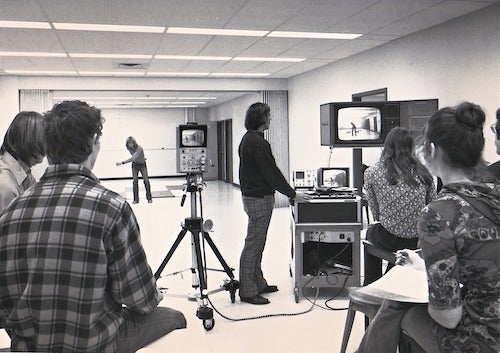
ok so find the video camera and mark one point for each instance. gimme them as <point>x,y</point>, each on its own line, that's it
<point>191,148</point>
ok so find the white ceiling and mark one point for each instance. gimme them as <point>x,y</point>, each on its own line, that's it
<point>379,21</point>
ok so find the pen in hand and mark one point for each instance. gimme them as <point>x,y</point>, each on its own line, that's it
<point>403,256</point>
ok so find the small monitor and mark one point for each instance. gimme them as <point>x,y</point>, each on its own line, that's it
<point>333,177</point>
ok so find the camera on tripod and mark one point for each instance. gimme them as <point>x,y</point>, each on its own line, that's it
<point>191,148</point>
<point>191,159</point>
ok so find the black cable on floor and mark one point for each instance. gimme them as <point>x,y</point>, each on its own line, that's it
<point>267,315</point>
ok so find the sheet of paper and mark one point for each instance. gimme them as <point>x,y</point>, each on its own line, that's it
<point>402,284</point>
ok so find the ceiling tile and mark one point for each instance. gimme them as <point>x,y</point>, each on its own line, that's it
<point>321,15</point>
<point>270,47</point>
<point>348,48</point>
<point>429,17</point>
<point>181,44</point>
<point>119,12</point>
<point>228,46</point>
<point>31,40</point>
<point>381,14</point>
<point>110,42</point>
<point>237,66</point>
<point>298,68</point>
<point>265,14</point>
<point>203,14</point>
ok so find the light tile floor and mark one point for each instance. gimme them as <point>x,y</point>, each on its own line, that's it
<point>280,327</point>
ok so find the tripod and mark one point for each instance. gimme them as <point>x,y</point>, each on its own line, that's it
<point>199,232</point>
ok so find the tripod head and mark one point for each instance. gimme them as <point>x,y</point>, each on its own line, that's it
<point>194,184</point>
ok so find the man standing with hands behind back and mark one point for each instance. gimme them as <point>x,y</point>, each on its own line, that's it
<point>75,277</point>
<point>259,179</point>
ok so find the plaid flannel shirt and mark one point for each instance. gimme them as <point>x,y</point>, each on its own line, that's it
<point>71,265</point>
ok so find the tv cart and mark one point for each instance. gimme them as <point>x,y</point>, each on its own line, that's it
<point>325,243</point>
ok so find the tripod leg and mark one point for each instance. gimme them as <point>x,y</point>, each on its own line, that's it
<point>199,263</point>
<point>217,253</point>
<point>181,235</point>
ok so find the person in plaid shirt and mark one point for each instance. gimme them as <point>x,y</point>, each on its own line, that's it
<point>75,277</point>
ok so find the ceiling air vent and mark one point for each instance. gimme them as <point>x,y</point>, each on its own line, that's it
<point>131,66</point>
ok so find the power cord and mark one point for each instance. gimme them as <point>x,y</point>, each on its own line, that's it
<point>267,315</point>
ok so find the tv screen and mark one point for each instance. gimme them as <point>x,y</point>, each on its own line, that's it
<point>359,123</point>
<point>334,177</point>
<point>193,138</point>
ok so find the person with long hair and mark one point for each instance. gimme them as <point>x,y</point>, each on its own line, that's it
<point>397,187</point>
<point>260,177</point>
<point>459,234</point>
<point>23,147</point>
<point>138,161</point>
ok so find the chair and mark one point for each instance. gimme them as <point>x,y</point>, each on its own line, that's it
<point>361,299</point>
<point>371,249</point>
<point>364,299</point>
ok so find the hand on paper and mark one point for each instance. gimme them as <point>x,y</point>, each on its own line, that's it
<point>410,258</point>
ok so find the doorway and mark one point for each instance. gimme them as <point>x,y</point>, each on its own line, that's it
<point>225,150</point>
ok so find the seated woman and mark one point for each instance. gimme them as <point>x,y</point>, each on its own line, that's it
<point>459,233</point>
<point>22,148</point>
<point>397,188</point>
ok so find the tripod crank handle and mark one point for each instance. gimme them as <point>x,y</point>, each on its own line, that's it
<point>183,199</point>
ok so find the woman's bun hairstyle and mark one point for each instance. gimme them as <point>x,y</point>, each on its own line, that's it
<point>471,115</point>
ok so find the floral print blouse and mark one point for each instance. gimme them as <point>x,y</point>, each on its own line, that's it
<point>459,233</point>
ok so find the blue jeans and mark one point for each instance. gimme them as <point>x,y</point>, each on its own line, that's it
<point>136,168</point>
<point>140,330</point>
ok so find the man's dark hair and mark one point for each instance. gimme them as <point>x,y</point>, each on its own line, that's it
<point>256,116</point>
<point>70,128</point>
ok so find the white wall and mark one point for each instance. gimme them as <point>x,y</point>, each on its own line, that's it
<point>456,61</point>
<point>9,102</point>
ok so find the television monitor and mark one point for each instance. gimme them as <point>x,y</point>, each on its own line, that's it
<point>192,148</point>
<point>192,135</point>
<point>366,124</point>
<point>357,124</point>
<point>333,177</point>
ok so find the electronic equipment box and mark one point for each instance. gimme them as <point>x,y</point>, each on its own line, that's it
<point>304,179</point>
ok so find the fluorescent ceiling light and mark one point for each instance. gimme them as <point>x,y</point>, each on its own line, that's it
<point>40,72</point>
<point>32,54</point>
<point>107,28</point>
<point>171,74</point>
<point>185,102</point>
<point>238,74</point>
<point>144,106</point>
<point>217,31</point>
<point>251,58</point>
<point>192,57</point>
<point>25,24</point>
<point>194,98</point>
<point>313,35</point>
<point>110,56</point>
<point>111,73</point>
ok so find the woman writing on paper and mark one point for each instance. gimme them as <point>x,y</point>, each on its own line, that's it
<point>459,233</point>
